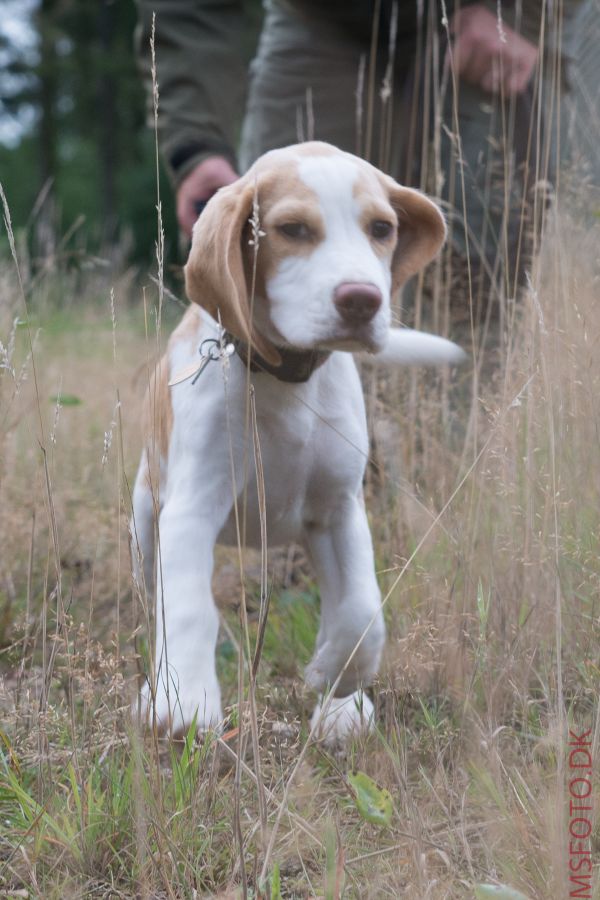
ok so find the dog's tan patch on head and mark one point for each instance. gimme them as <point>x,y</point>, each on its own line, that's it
<point>375,211</point>
<point>317,148</point>
<point>289,215</point>
<point>287,156</point>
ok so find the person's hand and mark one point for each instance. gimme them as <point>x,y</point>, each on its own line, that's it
<point>211,174</point>
<point>483,58</point>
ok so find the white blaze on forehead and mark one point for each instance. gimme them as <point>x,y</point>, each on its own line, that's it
<point>302,289</point>
<point>346,254</point>
<point>332,178</point>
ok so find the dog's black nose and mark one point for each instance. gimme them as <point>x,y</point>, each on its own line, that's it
<point>357,303</point>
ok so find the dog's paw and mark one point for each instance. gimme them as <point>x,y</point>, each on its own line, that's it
<point>345,718</point>
<point>175,711</point>
<point>354,650</point>
<point>330,659</point>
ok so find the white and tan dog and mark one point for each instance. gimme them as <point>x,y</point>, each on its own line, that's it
<point>337,239</point>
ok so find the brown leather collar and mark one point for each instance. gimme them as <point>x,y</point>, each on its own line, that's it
<point>296,365</point>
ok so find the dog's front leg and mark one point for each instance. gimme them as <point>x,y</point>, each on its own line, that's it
<point>352,631</point>
<point>187,622</point>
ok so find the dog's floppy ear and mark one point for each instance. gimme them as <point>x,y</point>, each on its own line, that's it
<point>215,276</point>
<point>421,231</point>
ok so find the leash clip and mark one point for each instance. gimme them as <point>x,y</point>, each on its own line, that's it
<point>210,350</point>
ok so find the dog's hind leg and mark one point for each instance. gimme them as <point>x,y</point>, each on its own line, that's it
<point>142,529</point>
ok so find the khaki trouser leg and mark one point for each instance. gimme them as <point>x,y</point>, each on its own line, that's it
<point>490,170</point>
<point>302,87</point>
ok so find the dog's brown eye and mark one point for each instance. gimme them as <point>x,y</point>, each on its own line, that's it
<point>297,231</point>
<point>380,229</point>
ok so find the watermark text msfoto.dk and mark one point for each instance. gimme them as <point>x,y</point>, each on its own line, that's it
<point>580,814</point>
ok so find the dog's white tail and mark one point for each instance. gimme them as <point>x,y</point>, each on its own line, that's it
<point>407,347</point>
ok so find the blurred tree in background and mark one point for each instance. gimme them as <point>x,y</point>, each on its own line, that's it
<point>78,167</point>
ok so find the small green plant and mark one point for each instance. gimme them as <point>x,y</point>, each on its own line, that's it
<point>373,803</point>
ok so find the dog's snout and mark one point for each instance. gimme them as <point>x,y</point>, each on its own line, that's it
<point>357,303</point>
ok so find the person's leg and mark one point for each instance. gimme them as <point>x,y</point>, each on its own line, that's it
<point>302,87</point>
<point>489,156</point>
<point>317,78</point>
<point>483,156</point>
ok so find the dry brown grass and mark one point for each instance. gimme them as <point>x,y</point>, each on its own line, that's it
<point>493,627</point>
<point>484,494</point>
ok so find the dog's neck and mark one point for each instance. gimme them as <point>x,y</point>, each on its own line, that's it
<point>296,365</point>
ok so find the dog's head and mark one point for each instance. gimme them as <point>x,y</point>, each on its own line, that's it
<point>307,249</point>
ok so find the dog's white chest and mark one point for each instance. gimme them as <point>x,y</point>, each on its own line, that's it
<point>308,446</point>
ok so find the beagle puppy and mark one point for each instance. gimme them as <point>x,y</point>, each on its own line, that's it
<point>291,271</point>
